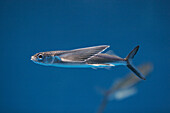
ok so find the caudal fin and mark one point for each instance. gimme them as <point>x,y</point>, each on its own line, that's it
<point>130,66</point>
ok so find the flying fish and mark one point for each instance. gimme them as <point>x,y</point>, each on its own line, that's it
<point>89,57</point>
<point>124,87</point>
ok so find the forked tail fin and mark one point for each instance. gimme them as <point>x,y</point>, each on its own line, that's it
<point>130,66</point>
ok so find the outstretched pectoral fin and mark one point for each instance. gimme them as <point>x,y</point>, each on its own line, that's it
<point>83,54</point>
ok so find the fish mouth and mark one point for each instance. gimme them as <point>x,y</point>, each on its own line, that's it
<point>33,58</point>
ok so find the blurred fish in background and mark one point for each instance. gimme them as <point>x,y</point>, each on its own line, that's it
<point>124,87</point>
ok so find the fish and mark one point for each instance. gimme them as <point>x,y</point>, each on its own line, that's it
<point>89,57</point>
<point>124,87</point>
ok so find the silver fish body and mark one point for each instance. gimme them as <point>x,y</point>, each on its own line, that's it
<point>90,57</point>
<point>85,57</point>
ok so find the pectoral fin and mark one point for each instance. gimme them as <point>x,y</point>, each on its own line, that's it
<point>83,54</point>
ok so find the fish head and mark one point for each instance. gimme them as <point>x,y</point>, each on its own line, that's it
<point>43,58</point>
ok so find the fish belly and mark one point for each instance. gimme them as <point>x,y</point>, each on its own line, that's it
<point>81,65</point>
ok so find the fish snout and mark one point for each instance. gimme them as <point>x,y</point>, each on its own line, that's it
<point>33,58</point>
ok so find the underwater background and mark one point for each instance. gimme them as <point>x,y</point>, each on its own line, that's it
<point>31,26</point>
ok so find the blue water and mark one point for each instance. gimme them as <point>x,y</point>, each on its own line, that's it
<point>28,27</point>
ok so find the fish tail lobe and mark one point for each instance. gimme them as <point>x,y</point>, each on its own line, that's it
<point>129,58</point>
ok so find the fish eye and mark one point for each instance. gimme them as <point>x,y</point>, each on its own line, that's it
<point>40,56</point>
